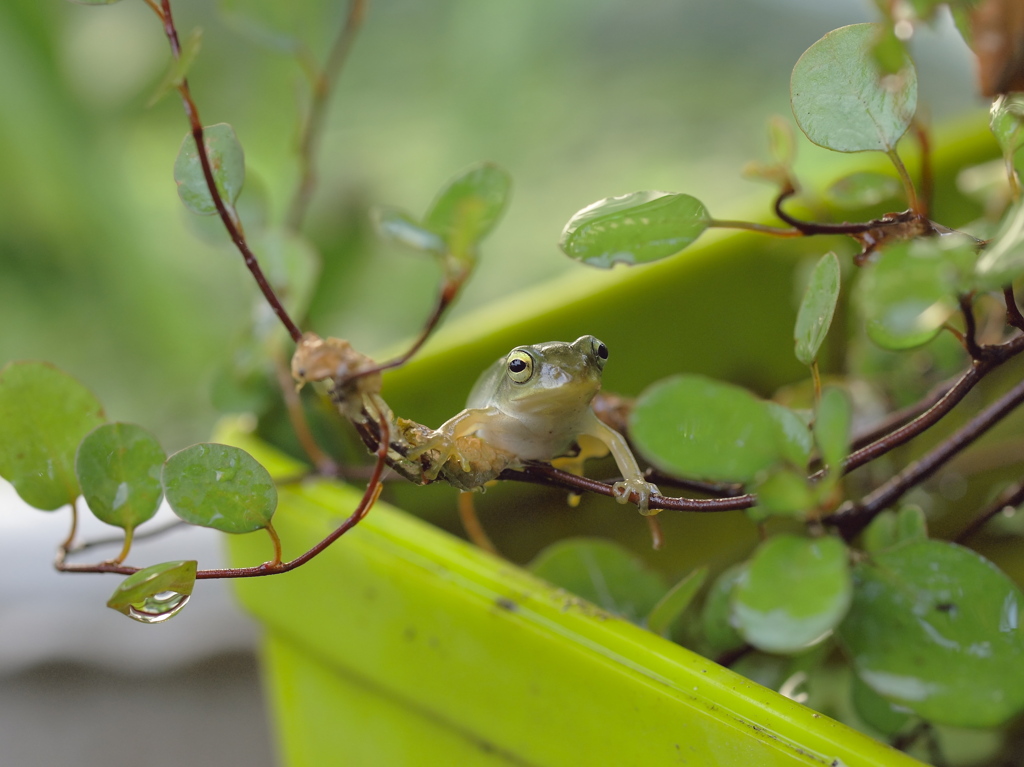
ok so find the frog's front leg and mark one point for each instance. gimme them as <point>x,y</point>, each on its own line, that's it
<point>445,439</point>
<point>632,478</point>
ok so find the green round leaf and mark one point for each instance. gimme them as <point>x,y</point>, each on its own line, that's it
<point>44,413</point>
<point>839,100</point>
<point>935,628</point>
<point>398,226</point>
<point>156,593</point>
<point>817,308</point>
<point>227,162</point>
<point>671,606</point>
<point>785,492</point>
<point>119,467</point>
<point>468,208</point>
<point>693,426</point>
<point>602,572</point>
<point>863,190</point>
<point>907,295</point>
<point>716,618</point>
<point>832,426</point>
<point>793,593</point>
<point>875,710</point>
<point>219,486</point>
<point>635,228</point>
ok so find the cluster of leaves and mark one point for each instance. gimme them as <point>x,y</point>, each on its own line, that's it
<point>930,629</point>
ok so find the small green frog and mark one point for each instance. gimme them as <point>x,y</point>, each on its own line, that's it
<point>534,404</point>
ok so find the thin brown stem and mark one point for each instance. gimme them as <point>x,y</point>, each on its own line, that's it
<point>810,228</point>
<point>227,215</point>
<point>970,338</point>
<point>1013,314</point>
<point>323,87</point>
<point>1012,497</point>
<point>300,425</point>
<point>908,183</point>
<point>927,171</point>
<point>774,231</point>
<point>900,417</point>
<point>855,517</point>
<point>276,541</point>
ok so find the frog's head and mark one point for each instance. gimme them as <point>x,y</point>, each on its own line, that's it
<point>553,376</point>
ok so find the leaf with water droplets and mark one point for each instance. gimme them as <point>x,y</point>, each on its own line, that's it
<point>671,606</point>
<point>839,99</point>
<point>44,413</point>
<point>602,572</point>
<point>227,163</point>
<point>935,628</point>
<point>635,228</point>
<point>219,486</point>
<point>693,426</point>
<point>119,466</point>
<point>793,593</point>
<point>468,208</point>
<point>156,593</point>
<point>817,308</point>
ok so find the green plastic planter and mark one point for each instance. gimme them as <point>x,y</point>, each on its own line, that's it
<point>403,645</point>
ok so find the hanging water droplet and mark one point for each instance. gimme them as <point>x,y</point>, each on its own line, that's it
<point>158,607</point>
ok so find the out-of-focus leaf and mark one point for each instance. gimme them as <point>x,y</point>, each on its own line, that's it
<point>180,66</point>
<point>832,426</point>
<point>817,308</point>
<point>468,208</point>
<point>44,413</point>
<point>399,227</point>
<point>793,593</point>
<point>716,618</point>
<point>602,572</point>
<point>1003,260</point>
<point>227,163</point>
<point>119,467</point>
<point>935,628</point>
<point>671,606</point>
<point>875,710</point>
<point>840,100</point>
<point>785,492</point>
<point>634,229</point>
<point>862,190</point>
<point>219,486</point>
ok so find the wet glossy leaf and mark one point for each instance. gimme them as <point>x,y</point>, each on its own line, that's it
<point>716,618</point>
<point>219,486</point>
<point>935,628</point>
<point>119,467</point>
<point>839,100</point>
<point>180,66</point>
<point>399,227</point>
<point>863,190</point>
<point>696,427</point>
<point>291,265</point>
<point>156,593</point>
<point>817,308</point>
<point>671,606</point>
<point>635,228</point>
<point>876,711</point>
<point>785,492</point>
<point>468,208</point>
<point>907,295</point>
<point>832,426</point>
<point>602,572</point>
<point>793,593</point>
<point>1003,260</point>
<point>227,161</point>
<point>44,413</point>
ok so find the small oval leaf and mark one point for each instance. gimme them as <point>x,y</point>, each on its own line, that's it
<point>671,606</point>
<point>935,628</point>
<point>817,308</point>
<point>635,228</point>
<point>784,492</point>
<point>156,593</point>
<point>399,227</point>
<point>227,162</point>
<point>44,413</point>
<point>468,208</point>
<point>602,572</point>
<point>119,467</point>
<point>793,593</point>
<point>832,426</point>
<point>839,99</point>
<point>696,427</point>
<point>219,486</point>
<point>716,618</point>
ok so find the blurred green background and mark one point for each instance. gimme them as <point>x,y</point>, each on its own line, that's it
<point>104,273</point>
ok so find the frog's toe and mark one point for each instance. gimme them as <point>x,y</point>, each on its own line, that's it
<point>644,490</point>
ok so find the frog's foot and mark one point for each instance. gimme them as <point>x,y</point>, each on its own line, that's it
<point>643,489</point>
<point>446,448</point>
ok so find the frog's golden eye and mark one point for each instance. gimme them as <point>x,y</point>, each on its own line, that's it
<point>520,366</point>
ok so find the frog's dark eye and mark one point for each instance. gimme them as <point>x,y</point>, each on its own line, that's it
<point>520,366</point>
<point>601,350</point>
